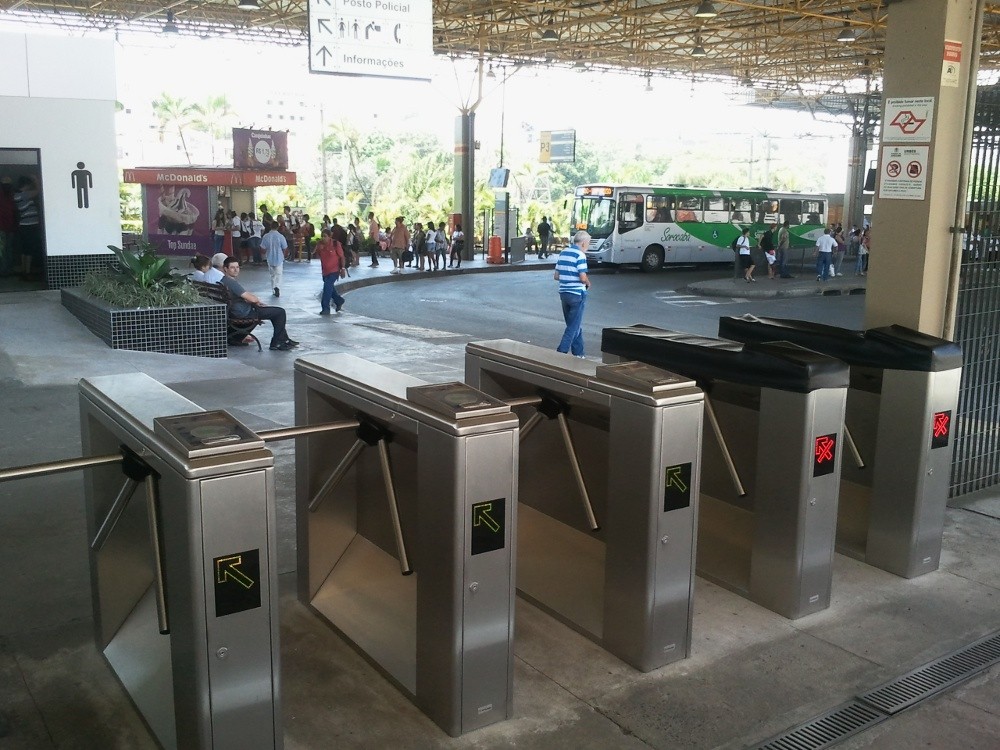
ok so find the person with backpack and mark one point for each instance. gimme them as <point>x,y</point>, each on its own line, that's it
<point>767,245</point>
<point>419,244</point>
<point>742,247</point>
<point>457,246</point>
<point>333,266</point>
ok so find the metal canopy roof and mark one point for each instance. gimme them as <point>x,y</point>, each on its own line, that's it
<point>779,43</point>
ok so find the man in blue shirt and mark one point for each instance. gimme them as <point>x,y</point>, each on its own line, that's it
<point>571,273</point>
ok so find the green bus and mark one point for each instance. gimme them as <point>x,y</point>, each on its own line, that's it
<point>656,225</point>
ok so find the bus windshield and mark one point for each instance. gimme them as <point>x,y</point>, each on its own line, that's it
<point>595,214</point>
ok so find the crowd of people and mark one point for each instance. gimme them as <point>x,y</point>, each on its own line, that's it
<point>831,249</point>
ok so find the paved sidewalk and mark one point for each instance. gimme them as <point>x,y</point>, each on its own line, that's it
<point>803,285</point>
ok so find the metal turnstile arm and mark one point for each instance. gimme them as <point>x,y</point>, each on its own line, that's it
<point>156,536</point>
<point>287,433</point>
<point>529,425</point>
<point>117,508</point>
<point>338,473</point>
<point>726,455</point>
<point>390,491</point>
<point>55,467</point>
<point>852,446</point>
<point>577,474</point>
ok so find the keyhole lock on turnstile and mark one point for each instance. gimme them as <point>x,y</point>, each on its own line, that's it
<point>222,653</point>
<point>474,587</point>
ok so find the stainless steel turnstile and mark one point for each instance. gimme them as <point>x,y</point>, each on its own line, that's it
<point>426,484</point>
<point>184,581</point>
<point>771,461</point>
<point>900,412</point>
<point>607,511</point>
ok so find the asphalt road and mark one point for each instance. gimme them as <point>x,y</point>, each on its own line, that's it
<point>525,305</point>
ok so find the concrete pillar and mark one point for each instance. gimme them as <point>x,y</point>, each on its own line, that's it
<point>465,192</point>
<point>912,240</point>
<point>856,168</point>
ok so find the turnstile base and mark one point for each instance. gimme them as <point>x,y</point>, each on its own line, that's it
<point>140,657</point>
<point>725,537</point>
<point>561,570</point>
<point>853,512</point>
<point>375,607</point>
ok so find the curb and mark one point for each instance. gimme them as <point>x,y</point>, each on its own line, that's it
<point>348,285</point>
<point>758,293</point>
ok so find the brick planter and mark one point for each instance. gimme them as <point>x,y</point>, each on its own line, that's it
<point>194,330</point>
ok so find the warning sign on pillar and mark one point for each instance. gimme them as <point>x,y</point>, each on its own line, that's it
<point>903,172</point>
<point>951,66</point>
<point>908,119</point>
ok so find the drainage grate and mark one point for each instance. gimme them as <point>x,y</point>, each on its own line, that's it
<point>826,730</point>
<point>934,677</point>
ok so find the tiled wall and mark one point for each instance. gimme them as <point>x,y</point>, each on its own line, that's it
<point>194,330</point>
<point>69,270</point>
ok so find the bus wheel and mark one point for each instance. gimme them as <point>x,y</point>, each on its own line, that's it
<point>652,259</point>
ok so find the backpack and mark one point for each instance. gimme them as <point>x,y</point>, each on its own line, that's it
<point>735,244</point>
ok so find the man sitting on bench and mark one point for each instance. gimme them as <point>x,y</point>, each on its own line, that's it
<point>245,304</point>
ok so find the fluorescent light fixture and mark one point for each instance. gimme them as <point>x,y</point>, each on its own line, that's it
<point>170,27</point>
<point>706,10</point>
<point>846,34</point>
<point>248,5</point>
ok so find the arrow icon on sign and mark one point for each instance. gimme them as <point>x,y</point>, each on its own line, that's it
<point>482,515</point>
<point>674,478</point>
<point>229,568</point>
<point>324,52</point>
<point>321,24</point>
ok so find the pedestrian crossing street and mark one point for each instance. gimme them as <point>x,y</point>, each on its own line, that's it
<point>678,299</point>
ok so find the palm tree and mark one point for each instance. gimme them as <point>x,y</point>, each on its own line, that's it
<point>174,112</point>
<point>215,117</point>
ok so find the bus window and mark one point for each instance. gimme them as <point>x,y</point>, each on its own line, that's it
<point>767,211</point>
<point>791,211</point>
<point>815,212</point>
<point>688,209</point>
<point>716,210</point>
<point>629,212</point>
<point>659,208</point>
<point>741,209</point>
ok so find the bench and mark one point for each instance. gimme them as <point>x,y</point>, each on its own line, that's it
<point>237,329</point>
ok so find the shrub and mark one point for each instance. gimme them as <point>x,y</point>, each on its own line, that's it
<point>140,279</point>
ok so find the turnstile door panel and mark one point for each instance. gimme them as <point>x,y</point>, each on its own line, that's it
<point>242,658</point>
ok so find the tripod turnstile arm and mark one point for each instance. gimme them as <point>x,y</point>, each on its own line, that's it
<point>338,473</point>
<point>726,455</point>
<point>529,425</point>
<point>287,433</point>
<point>397,529</point>
<point>111,520</point>
<point>55,467</point>
<point>577,474</point>
<point>156,537</point>
<point>852,446</point>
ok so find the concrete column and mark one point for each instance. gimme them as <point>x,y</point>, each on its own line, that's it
<point>912,242</point>
<point>465,192</point>
<point>856,168</point>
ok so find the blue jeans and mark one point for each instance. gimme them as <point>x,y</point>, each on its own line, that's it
<point>572,307</point>
<point>824,263</point>
<point>330,292</point>
<point>217,240</point>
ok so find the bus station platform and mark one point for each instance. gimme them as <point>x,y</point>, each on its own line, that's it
<point>752,674</point>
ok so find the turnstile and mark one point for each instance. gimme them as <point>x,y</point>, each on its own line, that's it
<point>771,461</point>
<point>900,413</point>
<point>427,484</point>
<point>184,585</point>
<point>607,509</point>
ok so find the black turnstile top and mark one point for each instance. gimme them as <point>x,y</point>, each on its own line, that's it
<point>888,348</point>
<point>778,365</point>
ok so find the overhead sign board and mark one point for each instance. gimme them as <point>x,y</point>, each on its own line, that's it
<point>557,146</point>
<point>384,38</point>
<point>903,172</point>
<point>908,119</point>
<point>260,149</point>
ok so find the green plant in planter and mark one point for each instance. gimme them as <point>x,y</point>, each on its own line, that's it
<point>140,278</point>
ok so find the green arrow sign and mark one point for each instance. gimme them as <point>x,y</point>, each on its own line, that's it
<point>488,526</point>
